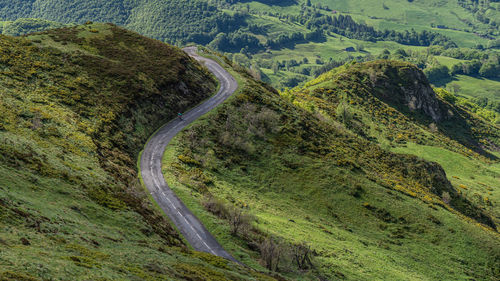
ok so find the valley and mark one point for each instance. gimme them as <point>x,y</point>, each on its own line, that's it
<point>71,127</point>
<point>249,140</point>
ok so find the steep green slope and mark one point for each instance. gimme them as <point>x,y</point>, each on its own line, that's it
<point>76,106</point>
<point>384,94</point>
<point>311,180</point>
<point>380,103</point>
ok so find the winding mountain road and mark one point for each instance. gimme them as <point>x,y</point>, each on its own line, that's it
<point>151,161</point>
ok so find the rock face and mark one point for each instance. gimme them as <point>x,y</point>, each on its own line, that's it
<point>420,96</point>
<point>406,86</point>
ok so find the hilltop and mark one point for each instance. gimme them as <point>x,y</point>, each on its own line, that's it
<point>313,174</point>
<point>77,105</point>
<point>397,96</point>
<point>393,105</point>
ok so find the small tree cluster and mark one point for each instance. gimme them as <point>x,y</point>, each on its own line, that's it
<point>271,250</point>
<point>239,220</point>
<point>344,114</point>
<point>278,255</point>
<point>302,254</point>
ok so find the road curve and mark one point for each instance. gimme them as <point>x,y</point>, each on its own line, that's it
<point>151,161</point>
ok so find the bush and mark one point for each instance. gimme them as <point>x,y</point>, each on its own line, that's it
<point>344,114</point>
<point>437,73</point>
<point>271,251</point>
<point>302,256</point>
<point>240,221</point>
<point>445,95</point>
<point>9,275</point>
<point>188,160</point>
<point>216,207</point>
<point>490,70</point>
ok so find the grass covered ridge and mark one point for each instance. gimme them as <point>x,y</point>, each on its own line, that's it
<point>76,107</point>
<point>379,94</point>
<point>308,176</point>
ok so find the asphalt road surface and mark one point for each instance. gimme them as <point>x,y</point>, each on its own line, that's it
<point>189,225</point>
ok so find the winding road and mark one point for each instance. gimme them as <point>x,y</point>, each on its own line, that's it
<point>151,162</point>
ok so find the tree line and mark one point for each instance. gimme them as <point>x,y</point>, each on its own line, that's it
<point>183,21</point>
<point>346,26</point>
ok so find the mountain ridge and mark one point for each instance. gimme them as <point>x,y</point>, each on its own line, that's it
<point>77,104</point>
<point>267,151</point>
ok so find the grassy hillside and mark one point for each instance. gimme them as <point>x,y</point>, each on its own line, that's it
<point>475,179</point>
<point>76,107</point>
<point>458,21</point>
<point>177,20</point>
<point>370,107</point>
<point>312,181</point>
<point>480,88</point>
<point>380,91</point>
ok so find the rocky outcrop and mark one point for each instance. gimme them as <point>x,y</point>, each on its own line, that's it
<point>420,96</point>
<point>406,87</point>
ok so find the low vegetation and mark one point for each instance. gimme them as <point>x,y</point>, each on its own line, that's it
<point>360,212</point>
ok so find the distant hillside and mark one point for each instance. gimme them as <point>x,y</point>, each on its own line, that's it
<point>201,20</point>
<point>312,175</point>
<point>289,42</point>
<point>167,20</point>
<point>26,25</point>
<point>449,16</point>
<point>76,107</point>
